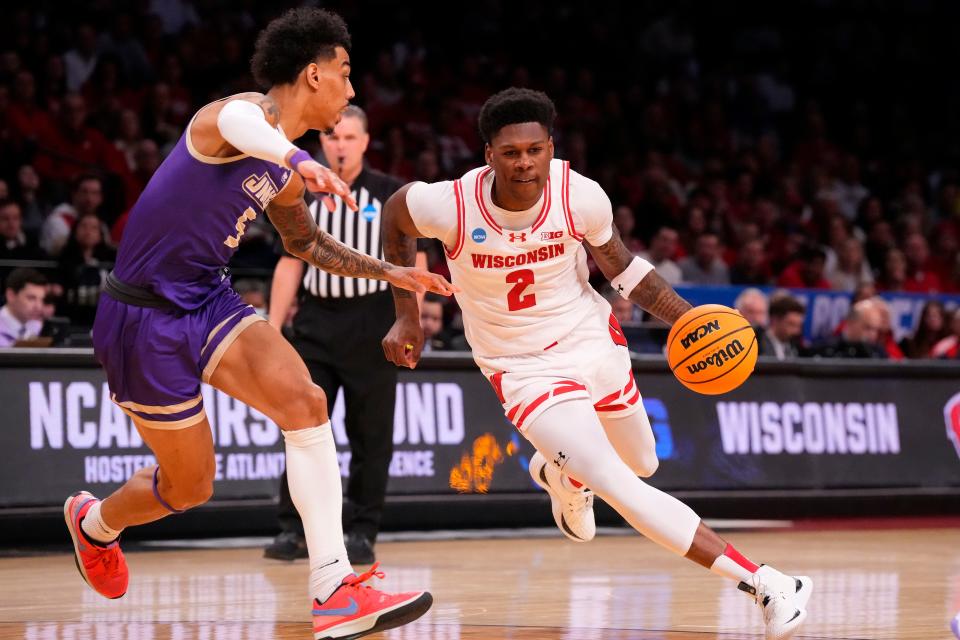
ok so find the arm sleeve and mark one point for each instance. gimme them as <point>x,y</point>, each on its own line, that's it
<point>591,209</point>
<point>244,125</point>
<point>433,209</point>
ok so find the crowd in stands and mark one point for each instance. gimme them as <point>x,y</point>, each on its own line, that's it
<point>865,332</point>
<point>733,150</point>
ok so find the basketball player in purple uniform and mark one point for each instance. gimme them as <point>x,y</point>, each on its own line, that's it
<point>170,320</point>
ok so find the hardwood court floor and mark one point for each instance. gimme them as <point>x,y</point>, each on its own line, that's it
<point>882,584</point>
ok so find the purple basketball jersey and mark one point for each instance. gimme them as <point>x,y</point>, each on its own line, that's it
<point>189,220</point>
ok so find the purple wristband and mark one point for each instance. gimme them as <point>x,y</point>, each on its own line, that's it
<point>299,156</point>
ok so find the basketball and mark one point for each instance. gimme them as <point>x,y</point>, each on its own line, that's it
<point>712,349</point>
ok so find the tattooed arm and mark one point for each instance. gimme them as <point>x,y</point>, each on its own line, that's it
<point>289,214</point>
<point>404,342</point>
<point>302,238</point>
<point>653,294</point>
<point>399,238</point>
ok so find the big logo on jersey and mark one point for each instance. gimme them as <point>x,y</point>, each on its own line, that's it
<point>951,415</point>
<point>248,215</point>
<point>261,188</point>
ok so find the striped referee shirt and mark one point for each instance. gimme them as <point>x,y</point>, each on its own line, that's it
<point>359,230</point>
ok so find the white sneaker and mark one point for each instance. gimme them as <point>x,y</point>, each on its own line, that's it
<point>783,599</point>
<point>572,510</point>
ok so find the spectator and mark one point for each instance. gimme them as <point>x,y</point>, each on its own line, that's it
<point>781,339</point>
<point>174,14</point>
<point>886,339</point>
<point>33,205</point>
<point>847,190</point>
<point>663,247</point>
<point>30,121</point>
<point>705,267</point>
<point>880,240</point>
<point>21,316</point>
<point>850,269</point>
<point>806,272</point>
<point>751,267</point>
<point>893,276</point>
<point>15,243</point>
<point>123,43</point>
<point>85,199</point>
<point>949,347</point>
<point>931,329</point>
<point>752,305</point>
<point>428,166</point>
<point>626,222</point>
<point>74,147</point>
<point>860,337</point>
<point>82,59</point>
<point>129,136</point>
<point>921,277</point>
<point>437,337</point>
<point>84,263</point>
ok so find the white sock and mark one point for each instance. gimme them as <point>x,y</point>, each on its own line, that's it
<point>726,567</point>
<point>313,476</point>
<point>95,528</point>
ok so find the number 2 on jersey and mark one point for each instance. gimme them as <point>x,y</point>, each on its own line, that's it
<point>520,279</point>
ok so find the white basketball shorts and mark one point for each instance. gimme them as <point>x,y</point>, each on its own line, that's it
<point>591,362</point>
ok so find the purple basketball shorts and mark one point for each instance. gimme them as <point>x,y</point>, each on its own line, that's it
<point>155,359</point>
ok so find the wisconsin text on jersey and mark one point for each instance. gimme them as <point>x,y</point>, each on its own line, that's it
<point>488,261</point>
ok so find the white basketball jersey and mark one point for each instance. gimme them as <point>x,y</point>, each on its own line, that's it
<point>522,290</point>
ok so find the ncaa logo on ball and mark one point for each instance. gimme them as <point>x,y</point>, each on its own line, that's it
<point>700,332</point>
<point>478,235</point>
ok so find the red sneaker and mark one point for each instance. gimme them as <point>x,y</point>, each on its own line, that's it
<point>103,568</point>
<point>356,610</point>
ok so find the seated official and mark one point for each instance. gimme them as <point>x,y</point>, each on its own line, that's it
<point>21,318</point>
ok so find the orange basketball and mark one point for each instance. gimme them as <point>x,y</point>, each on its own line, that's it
<point>712,349</point>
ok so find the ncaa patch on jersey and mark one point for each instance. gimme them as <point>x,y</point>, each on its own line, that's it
<point>478,235</point>
<point>369,212</point>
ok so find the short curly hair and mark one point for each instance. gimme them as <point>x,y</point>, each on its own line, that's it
<point>294,40</point>
<point>515,106</point>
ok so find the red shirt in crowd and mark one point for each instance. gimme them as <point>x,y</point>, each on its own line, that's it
<point>792,277</point>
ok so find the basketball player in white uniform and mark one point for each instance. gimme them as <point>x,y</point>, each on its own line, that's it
<point>514,233</point>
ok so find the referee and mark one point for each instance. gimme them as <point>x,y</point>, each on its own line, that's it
<point>337,331</point>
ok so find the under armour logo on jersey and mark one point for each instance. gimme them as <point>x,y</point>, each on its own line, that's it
<point>551,235</point>
<point>518,237</point>
<point>620,289</point>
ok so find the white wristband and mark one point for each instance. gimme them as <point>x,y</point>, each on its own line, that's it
<point>627,281</point>
<point>244,125</point>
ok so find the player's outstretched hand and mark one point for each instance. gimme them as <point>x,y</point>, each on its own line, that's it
<point>403,343</point>
<point>320,179</point>
<point>419,280</point>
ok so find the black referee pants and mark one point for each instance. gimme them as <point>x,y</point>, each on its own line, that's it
<point>339,339</point>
